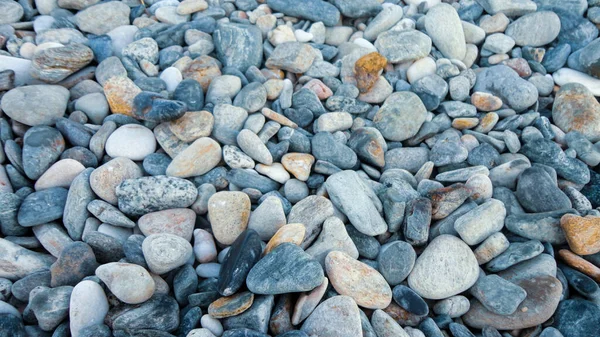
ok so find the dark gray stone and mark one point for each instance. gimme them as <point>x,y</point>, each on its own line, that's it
<point>256,317</point>
<point>42,146</point>
<point>395,261</point>
<point>577,317</point>
<point>160,312</point>
<point>238,45</point>
<point>42,207</point>
<point>313,10</point>
<point>537,192</point>
<point>516,252</point>
<point>245,251</point>
<point>326,147</point>
<point>185,283</point>
<point>409,300</point>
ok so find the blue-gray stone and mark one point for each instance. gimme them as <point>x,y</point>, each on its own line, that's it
<point>537,192</point>
<point>245,179</point>
<point>243,332</point>
<point>252,97</point>
<point>150,194</point>
<point>313,10</point>
<point>431,90</point>
<point>97,330</point>
<point>547,152</point>
<point>153,107</point>
<point>132,248</point>
<point>429,327</point>
<point>577,317</point>
<point>42,146</point>
<point>366,245</point>
<point>287,268</point>
<point>516,252</point>
<point>42,207</point>
<point>153,84</point>
<point>537,226</point>
<point>189,321</point>
<point>190,92</point>
<point>347,104</point>
<point>587,59</point>
<point>576,31</point>
<point>256,317</point>
<point>298,141</point>
<point>506,83</point>
<point>50,306</point>
<point>592,189</point>
<point>582,283</point>
<point>156,164</point>
<point>245,251</point>
<point>326,147</point>
<point>357,8</point>
<point>238,45</point>
<point>11,326</point>
<point>555,58</point>
<point>409,300</point>
<point>305,98</point>
<point>77,134</point>
<point>76,261</point>
<point>82,155</point>
<point>106,248</point>
<point>484,154</point>
<point>459,330</point>
<point>185,283</point>
<point>417,220</point>
<point>498,295</point>
<point>301,116</point>
<point>396,260</point>
<point>9,206</point>
<point>21,288</point>
<point>160,312</point>
<point>101,46</point>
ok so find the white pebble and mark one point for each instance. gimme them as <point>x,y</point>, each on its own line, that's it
<point>302,36</point>
<point>208,270</point>
<point>212,324</point>
<point>565,75</point>
<point>119,143</point>
<point>172,77</point>
<point>421,68</point>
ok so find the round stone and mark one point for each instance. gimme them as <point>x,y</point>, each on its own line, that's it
<point>61,174</point>
<point>130,283</point>
<point>105,179</point>
<point>165,252</point>
<point>88,306</point>
<point>177,221</point>
<point>119,143</point>
<point>36,104</point>
<point>228,213</point>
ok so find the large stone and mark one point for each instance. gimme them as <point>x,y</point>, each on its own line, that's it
<point>357,200</point>
<point>17,262</point>
<point>403,46</point>
<point>130,283</point>
<point>238,45</point>
<point>504,82</point>
<point>54,64</point>
<point>543,295</point>
<point>576,109</point>
<point>165,252</point>
<point>445,268</point>
<point>42,207</point>
<point>102,18</point>
<point>582,233</point>
<point>200,157</point>
<point>36,104</point>
<point>537,192</point>
<point>88,306</point>
<point>577,317</point>
<point>535,29</point>
<point>286,269</point>
<point>445,29</point>
<point>313,10</point>
<point>228,213</point>
<point>401,116</point>
<point>139,196</point>
<point>338,316</point>
<point>358,280</point>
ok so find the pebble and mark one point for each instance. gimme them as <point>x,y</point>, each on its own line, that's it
<point>105,179</point>
<point>229,213</point>
<point>479,223</point>
<point>88,306</point>
<point>197,159</point>
<point>403,46</point>
<point>165,252</point>
<point>267,218</point>
<point>445,260</point>
<point>583,109</point>
<point>285,269</point>
<point>130,283</point>
<point>178,221</point>
<point>527,30</point>
<point>400,116</point>
<point>32,111</point>
<point>102,18</point>
<point>336,316</point>
<point>333,237</point>
<point>118,143</point>
<point>580,233</point>
<point>139,196</point>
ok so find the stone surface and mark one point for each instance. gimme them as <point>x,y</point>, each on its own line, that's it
<point>447,267</point>
<point>165,252</point>
<point>337,316</point>
<point>197,159</point>
<point>400,116</point>
<point>229,213</point>
<point>581,233</point>
<point>88,306</point>
<point>139,196</point>
<point>576,109</point>
<point>130,283</point>
<point>443,26</point>
<point>24,104</point>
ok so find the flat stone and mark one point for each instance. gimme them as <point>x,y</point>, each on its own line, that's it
<point>102,18</point>
<point>516,252</point>
<point>403,46</point>
<point>543,295</point>
<point>313,10</point>
<point>292,233</point>
<point>42,207</point>
<point>527,30</point>
<point>481,222</point>
<point>498,295</point>
<point>325,147</point>
<point>409,300</point>
<point>88,306</point>
<point>385,326</point>
<point>139,196</point>
<point>52,65</point>
<point>165,252</point>
<point>506,83</point>
<point>534,186</point>
<point>285,269</point>
<point>228,213</point>
<point>445,29</point>
<point>445,260</point>
<point>36,104</point>
<point>357,201</point>
<point>197,159</point>
<point>50,306</point>
<point>178,221</point>
<point>130,283</point>
<point>231,306</point>
<point>160,312</point>
<point>357,280</point>
<point>538,226</point>
<point>395,261</point>
<point>335,317</point>
<point>242,256</point>
<point>120,93</point>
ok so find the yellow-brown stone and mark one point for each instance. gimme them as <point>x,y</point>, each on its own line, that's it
<point>293,233</point>
<point>298,164</point>
<point>582,233</point>
<point>578,263</point>
<point>279,118</point>
<point>487,122</point>
<point>484,101</point>
<point>367,70</point>
<point>463,123</point>
<point>120,92</point>
<point>231,305</point>
<point>202,69</point>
